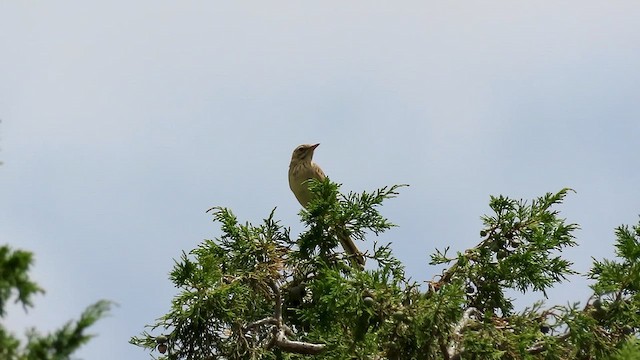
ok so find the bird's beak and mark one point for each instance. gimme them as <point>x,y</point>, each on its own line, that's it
<point>314,146</point>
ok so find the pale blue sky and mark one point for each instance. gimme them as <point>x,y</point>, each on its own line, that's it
<point>123,122</point>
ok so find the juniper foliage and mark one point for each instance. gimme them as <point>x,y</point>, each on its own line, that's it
<point>257,293</point>
<point>57,345</point>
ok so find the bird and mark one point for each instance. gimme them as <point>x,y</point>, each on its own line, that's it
<point>301,170</point>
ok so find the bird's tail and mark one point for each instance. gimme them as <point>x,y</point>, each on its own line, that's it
<point>350,248</point>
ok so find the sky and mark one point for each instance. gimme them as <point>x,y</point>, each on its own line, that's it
<point>122,123</point>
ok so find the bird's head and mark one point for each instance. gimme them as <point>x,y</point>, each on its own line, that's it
<point>303,152</point>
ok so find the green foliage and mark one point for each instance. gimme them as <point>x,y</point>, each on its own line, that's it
<point>14,277</point>
<point>58,345</point>
<point>63,342</point>
<point>256,293</point>
<point>630,350</point>
<point>516,253</point>
<point>616,308</point>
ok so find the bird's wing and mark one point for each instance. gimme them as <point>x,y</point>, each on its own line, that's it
<point>318,174</point>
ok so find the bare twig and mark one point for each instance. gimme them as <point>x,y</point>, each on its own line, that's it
<point>539,346</point>
<point>265,321</point>
<point>280,331</point>
<point>297,347</point>
<point>277,313</point>
<point>455,348</point>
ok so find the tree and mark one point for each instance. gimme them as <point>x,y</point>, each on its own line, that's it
<point>58,345</point>
<point>256,293</point>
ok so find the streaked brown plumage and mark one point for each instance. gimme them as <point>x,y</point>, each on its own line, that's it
<point>301,169</point>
